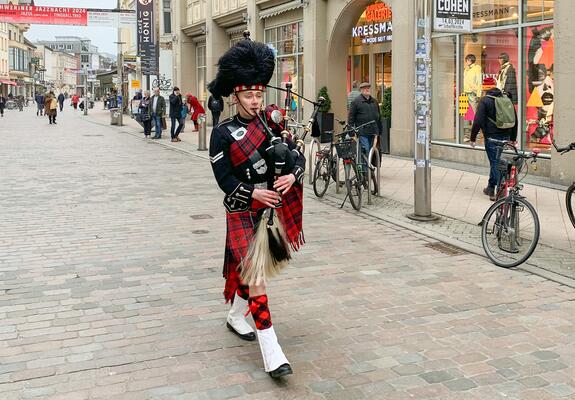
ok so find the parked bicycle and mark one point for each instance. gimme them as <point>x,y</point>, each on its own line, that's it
<point>355,177</point>
<point>326,165</point>
<point>510,228</point>
<point>569,196</point>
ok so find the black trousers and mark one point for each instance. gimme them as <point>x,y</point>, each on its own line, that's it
<point>52,118</point>
<point>215,119</point>
<point>175,132</point>
<point>147,127</point>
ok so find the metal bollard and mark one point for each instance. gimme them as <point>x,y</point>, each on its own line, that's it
<point>314,146</point>
<point>336,173</point>
<point>373,152</point>
<point>202,146</point>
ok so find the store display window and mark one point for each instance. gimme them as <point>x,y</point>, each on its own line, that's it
<point>490,13</point>
<point>444,101</point>
<point>538,10</point>
<point>539,87</point>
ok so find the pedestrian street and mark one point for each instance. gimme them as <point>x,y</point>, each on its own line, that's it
<point>111,250</point>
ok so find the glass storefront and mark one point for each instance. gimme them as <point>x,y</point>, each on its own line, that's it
<point>201,72</point>
<point>287,40</point>
<point>370,50</point>
<point>509,45</point>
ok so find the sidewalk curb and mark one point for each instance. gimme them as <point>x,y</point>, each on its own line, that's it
<point>328,198</point>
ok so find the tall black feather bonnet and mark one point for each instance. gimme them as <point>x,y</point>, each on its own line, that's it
<point>248,65</point>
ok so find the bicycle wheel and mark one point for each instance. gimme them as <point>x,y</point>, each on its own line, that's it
<point>510,232</point>
<point>321,176</point>
<point>353,185</point>
<point>569,200</point>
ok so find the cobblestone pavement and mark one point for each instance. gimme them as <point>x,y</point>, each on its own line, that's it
<point>110,288</point>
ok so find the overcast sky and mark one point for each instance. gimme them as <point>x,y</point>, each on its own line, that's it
<point>104,38</point>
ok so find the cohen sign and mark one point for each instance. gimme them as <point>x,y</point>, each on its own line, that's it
<point>452,15</point>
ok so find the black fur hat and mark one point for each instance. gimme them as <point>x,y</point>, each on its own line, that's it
<point>248,65</point>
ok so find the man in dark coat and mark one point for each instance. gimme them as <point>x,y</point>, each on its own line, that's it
<point>39,104</point>
<point>2,104</point>
<point>61,101</point>
<point>216,106</point>
<point>158,112</point>
<point>176,114</point>
<point>365,109</point>
<point>485,118</point>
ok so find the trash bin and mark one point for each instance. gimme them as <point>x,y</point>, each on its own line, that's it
<point>114,116</point>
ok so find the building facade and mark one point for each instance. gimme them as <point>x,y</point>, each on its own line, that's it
<point>5,82</point>
<point>20,52</point>
<point>85,52</point>
<point>342,41</point>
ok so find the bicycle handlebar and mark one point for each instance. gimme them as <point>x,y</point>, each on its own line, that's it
<point>509,145</point>
<point>564,150</point>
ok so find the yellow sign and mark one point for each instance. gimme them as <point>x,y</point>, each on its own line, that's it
<point>463,104</point>
<point>135,84</point>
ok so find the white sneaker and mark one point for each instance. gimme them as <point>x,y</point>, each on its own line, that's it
<point>275,361</point>
<point>236,321</point>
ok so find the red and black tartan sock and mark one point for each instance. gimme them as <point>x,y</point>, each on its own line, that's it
<point>260,311</point>
<point>243,291</point>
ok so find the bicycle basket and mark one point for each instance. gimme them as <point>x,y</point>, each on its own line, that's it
<point>346,149</point>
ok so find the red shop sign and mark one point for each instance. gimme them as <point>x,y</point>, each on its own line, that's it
<point>16,14</point>
<point>378,12</point>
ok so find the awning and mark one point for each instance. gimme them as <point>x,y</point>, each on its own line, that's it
<point>282,8</point>
<point>7,82</point>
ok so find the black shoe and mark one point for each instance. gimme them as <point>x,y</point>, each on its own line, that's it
<point>489,191</point>
<point>282,370</point>
<point>250,337</point>
<point>157,137</point>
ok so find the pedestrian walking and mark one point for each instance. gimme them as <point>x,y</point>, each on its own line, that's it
<point>245,172</point>
<point>216,106</point>
<point>158,112</point>
<point>75,101</point>
<point>61,99</point>
<point>2,105</point>
<point>39,104</point>
<point>51,107</point>
<point>176,114</point>
<point>196,109</point>
<point>184,115</point>
<point>145,113</point>
<point>353,94</point>
<point>20,102</point>
<point>362,110</point>
<point>497,119</point>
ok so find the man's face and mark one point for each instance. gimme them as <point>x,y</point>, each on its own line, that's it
<point>250,101</point>
<point>156,92</point>
<point>366,91</point>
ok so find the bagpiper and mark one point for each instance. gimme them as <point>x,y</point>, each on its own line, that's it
<point>261,173</point>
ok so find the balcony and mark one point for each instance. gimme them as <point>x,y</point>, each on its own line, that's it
<point>196,12</point>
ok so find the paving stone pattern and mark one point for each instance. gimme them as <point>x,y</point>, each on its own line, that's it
<point>110,288</point>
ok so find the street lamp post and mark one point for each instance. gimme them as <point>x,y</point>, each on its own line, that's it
<point>422,174</point>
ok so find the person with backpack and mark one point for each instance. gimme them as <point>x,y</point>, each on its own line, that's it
<point>216,106</point>
<point>497,119</point>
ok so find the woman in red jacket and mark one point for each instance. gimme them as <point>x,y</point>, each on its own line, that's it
<point>196,109</point>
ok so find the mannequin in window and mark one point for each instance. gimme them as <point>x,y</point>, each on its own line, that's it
<point>472,80</point>
<point>507,77</point>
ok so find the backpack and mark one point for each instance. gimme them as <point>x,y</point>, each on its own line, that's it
<point>504,112</point>
<point>215,105</point>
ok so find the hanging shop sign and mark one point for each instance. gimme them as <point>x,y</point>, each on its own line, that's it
<point>147,41</point>
<point>375,25</point>
<point>452,15</point>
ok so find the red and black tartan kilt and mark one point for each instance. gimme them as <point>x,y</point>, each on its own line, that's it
<point>240,232</point>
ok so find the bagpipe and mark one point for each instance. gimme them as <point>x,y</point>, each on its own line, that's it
<point>269,251</point>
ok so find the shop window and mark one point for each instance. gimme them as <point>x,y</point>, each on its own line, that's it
<point>382,74</point>
<point>539,87</point>
<point>489,13</point>
<point>488,54</point>
<point>444,103</point>
<point>201,72</point>
<point>538,10</point>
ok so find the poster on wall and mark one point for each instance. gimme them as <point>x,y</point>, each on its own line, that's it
<point>452,16</point>
<point>146,35</point>
<point>539,85</point>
